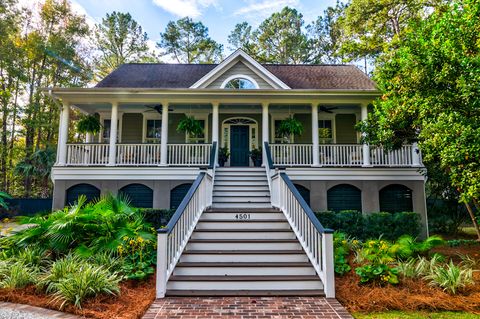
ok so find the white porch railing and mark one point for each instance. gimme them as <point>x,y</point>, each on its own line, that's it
<point>317,242</point>
<point>400,157</point>
<point>138,154</point>
<point>146,154</point>
<point>189,154</point>
<point>341,155</point>
<point>291,154</point>
<point>174,237</point>
<point>348,155</point>
<point>87,154</point>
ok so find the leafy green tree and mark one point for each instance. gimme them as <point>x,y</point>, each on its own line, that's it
<point>188,41</point>
<point>326,35</point>
<point>431,84</point>
<point>243,37</point>
<point>370,25</point>
<point>281,38</point>
<point>120,39</point>
<point>37,168</point>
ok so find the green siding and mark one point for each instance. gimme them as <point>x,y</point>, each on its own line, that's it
<point>344,197</point>
<point>239,68</point>
<point>132,128</point>
<point>396,198</point>
<point>306,137</point>
<point>345,128</point>
<point>173,135</point>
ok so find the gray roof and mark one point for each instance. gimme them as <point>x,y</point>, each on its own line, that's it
<point>298,76</point>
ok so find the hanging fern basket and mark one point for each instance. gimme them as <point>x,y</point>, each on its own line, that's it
<point>89,124</point>
<point>290,127</point>
<point>191,126</point>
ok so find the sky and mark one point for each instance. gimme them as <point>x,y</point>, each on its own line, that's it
<point>220,16</point>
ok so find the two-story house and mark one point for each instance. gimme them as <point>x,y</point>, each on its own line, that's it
<point>240,105</point>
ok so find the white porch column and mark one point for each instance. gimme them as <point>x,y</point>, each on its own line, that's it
<point>264,131</point>
<point>112,150</point>
<point>316,146</point>
<point>215,106</point>
<point>63,134</point>
<point>164,138</point>
<point>366,147</point>
<point>415,155</point>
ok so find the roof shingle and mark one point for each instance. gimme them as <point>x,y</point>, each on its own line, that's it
<point>167,76</point>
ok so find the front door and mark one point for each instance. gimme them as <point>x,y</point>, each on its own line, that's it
<point>239,150</point>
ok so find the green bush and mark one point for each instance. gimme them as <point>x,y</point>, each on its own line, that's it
<point>341,252</point>
<point>389,226</point>
<point>15,275</point>
<point>157,217</point>
<point>89,281</point>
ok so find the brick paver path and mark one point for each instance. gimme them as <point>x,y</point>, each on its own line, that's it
<point>246,308</point>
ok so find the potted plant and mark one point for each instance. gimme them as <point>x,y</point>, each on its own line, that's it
<point>89,124</point>
<point>223,155</point>
<point>256,156</point>
<point>290,127</point>
<point>191,126</point>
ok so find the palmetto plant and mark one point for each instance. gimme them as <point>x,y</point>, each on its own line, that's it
<point>37,167</point>
<point>3,197</point>
<point>86,228</point>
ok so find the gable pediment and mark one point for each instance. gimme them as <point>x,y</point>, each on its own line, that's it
<point>241,65</point>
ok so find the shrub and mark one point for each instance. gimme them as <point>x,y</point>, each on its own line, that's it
<point>157,217</point>
<point>450,277</point>
<point>138,258</point>
<point>15,275</point>
<point>59,270</point>
<point>341,252</point>
<point>390,226</point>
<point>89,281</point>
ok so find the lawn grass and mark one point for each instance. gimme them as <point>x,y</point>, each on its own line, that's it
<point>416,315</point>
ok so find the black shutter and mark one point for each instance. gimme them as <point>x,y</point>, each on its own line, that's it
<point>396,198</point>
<point>90,191</point>
<point>344,197</point>
<point>177,194</point>
<point>140,196</point>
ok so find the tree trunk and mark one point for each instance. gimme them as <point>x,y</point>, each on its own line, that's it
<point>474,220</point>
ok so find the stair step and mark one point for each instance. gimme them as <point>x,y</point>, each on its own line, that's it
<point>240,183</point>
<point>240,256</point>
<point>240,173</point>
<point>311,292</point>
<point>244,269</point>
<point>242,205</point>
<point>236,215</point>
<point>244,224</point>
<point>244,282</point>
<point>240,193</point>
<point>244,177</point>
<point>241,199</point>
<point>243,210</point>
<point>241,169</point>
<point>243,244</point>
<point>243,234</point>
<point>244,188</point>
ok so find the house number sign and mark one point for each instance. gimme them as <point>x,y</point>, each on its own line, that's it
<point>243,216</point>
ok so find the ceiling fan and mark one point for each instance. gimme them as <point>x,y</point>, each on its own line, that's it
<point>156,107</point>
<point>327,109</point>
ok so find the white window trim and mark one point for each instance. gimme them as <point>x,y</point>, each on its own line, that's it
<point>108,116</point>
<point>331,117</point>
<point>239,76</point>
<point>146,117</point>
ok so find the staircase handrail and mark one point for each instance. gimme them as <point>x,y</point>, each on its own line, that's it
<point>173,238</point>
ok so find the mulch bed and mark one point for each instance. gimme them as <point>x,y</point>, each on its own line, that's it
<point>410,295</point>
<point>133,302</point>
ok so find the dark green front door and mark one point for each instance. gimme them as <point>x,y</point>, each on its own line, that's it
<point>239,149</point>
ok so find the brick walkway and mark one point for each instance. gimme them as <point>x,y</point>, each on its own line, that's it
<point>246,308</point>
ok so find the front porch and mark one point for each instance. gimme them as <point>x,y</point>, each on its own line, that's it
<point>133,135</point>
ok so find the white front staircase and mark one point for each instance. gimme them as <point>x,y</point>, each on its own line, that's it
<point>244,188</point>
<point>242,246</point>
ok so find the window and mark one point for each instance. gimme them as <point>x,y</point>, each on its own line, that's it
<point>325,131</point>
<point>106,130</point>
<point>154,130</point>
<point>240,84</point>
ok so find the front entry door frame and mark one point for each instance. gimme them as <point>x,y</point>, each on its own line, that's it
<point>239,143</point>
<point>239,120</point>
